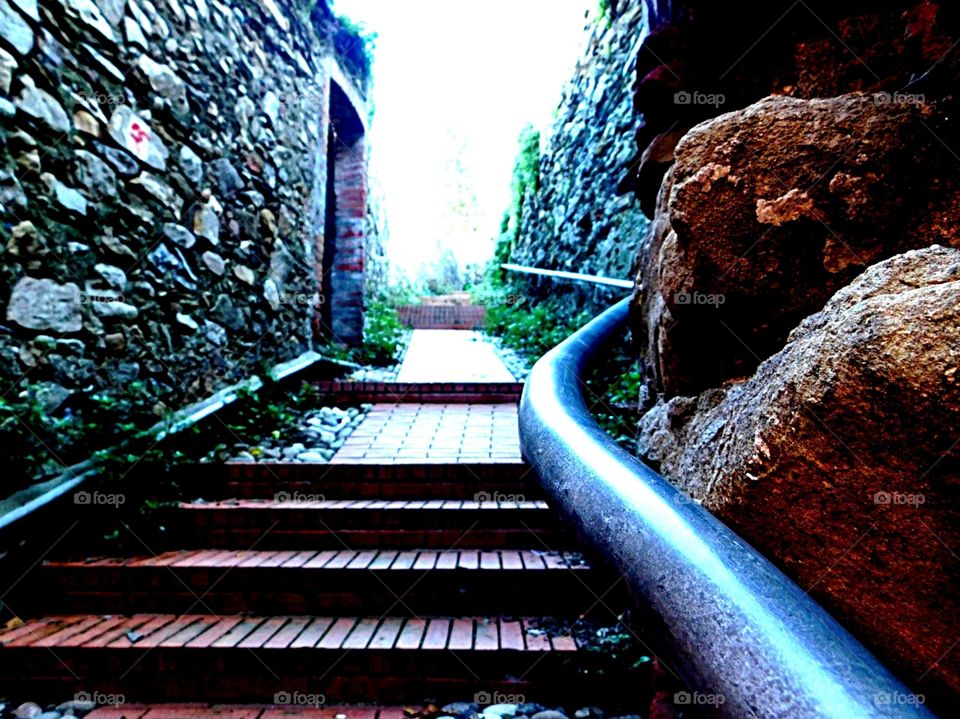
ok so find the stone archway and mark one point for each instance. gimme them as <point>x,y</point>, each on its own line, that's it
<point>342,259</point>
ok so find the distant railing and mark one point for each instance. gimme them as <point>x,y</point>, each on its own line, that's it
<point>37,496</point>
<point>575,276</point>
<point>737,630</point>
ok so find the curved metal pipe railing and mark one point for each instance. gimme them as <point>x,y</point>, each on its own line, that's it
<point>732,623</point>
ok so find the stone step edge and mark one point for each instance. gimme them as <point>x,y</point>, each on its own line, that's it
<point>513,471</point>
<point>420,392</point>
<point>282,632</point>
<point>286,500</point>
<point>503,560</point>
<point>297,704</point>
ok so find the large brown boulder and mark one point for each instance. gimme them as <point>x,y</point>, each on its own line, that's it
<point>705,57</point>
<point>840,460</point>
<point>767,212</point>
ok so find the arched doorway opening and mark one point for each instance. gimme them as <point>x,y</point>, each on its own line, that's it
<point>343,251</point>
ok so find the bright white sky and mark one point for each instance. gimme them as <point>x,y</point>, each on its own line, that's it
<point>463,73</point>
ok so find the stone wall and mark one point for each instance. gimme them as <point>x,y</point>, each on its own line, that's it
<point>577,220</point>
<point>164,201</point>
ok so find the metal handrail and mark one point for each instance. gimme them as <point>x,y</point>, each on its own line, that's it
<point>575,276</point>
<point>25,501</point>
<point>731,623</point>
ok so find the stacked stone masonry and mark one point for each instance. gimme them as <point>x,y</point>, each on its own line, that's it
<point>164,195</point>
<point>578,220</point>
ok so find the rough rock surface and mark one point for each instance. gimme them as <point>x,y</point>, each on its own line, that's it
<point>839,458</point>
<point>42,304</point>
<point>766,213</point>
<point>704,58</point>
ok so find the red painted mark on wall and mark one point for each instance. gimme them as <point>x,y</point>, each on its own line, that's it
<point>139,134</point>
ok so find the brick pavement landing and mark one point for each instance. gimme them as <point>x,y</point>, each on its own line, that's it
<point>434,433</point>
<point>452,356</point>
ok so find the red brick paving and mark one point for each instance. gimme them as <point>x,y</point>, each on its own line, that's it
<point>341,505</point>
<point>402,443</point>
<point>277,632</point>
<point>411,634</point>
<point>369,560</point>
<point>312,633</point>
<point>227,711</point>
<point>127,711</point>
<point>350,392</point>
<point>443,317</point>
<point>440,433</point>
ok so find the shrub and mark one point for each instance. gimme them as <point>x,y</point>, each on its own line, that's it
<point>531,329</point>
<point>612,390</point>
<point>48,440</point>
<point>384,335</point>
<point>354,45</point>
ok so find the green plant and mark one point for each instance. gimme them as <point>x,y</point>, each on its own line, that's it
<point>337,351</point>
<point>52,433</point>
<point>605,11</point>
<point>384,335</point>
<point>526,179</point>
<point>271,411</point>
<point>268,410</point>
<point>355,46</point>
<point>527,327</point>
<point>614,650</point>
<point>612,391</point>
<point>610,651</point>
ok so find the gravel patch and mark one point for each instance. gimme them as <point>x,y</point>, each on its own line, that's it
<point>317,437</point>
<point>518,365</point>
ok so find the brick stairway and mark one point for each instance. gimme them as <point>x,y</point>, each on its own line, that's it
<point>443,317</point>
<point>421,563</point>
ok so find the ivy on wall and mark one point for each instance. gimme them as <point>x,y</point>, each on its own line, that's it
<point>526,179</point>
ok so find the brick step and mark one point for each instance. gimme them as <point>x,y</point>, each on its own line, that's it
<point>263,480</point>
<point>301,706</point>
<point>443,317</point>
<point>412,583</point>
<point>252,658</point>
<point>346,392</point>
<point>301,523</point>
